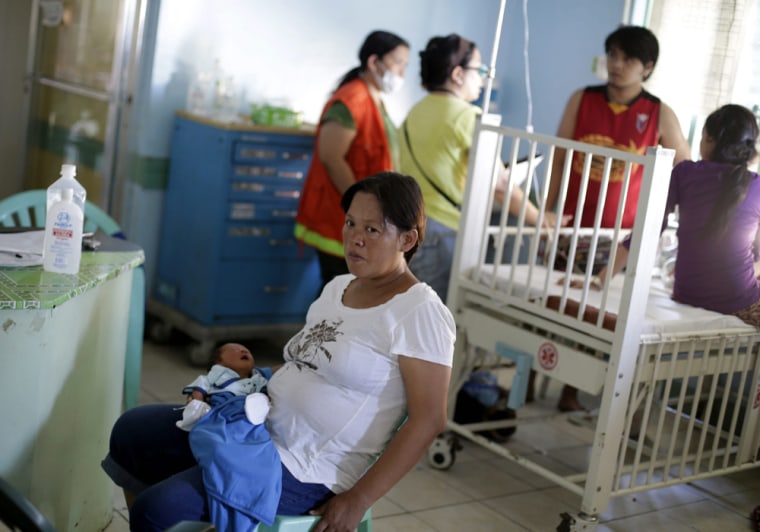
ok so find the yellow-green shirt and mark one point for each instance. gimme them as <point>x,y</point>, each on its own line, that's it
<point>440,128</point>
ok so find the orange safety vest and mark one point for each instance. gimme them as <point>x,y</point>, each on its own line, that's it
<point>319,222</point>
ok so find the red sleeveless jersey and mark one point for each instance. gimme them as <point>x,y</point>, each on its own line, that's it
<point>633,128</point>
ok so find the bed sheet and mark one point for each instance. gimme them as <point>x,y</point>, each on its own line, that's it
<point>663,315</point>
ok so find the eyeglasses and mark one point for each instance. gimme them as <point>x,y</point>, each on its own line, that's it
<point>483,70</point>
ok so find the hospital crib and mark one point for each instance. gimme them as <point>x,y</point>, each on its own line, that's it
<point>679,385</point>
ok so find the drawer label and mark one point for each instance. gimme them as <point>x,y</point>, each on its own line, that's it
<point>249,187</point>
<point>242,211</point>
<point>256,153</point>
<point>266,171</point>
<point>248,231</point>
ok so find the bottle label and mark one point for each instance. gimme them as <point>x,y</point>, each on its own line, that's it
<point>62,227</point>
<point>61,250</point>
<point>62,233</point>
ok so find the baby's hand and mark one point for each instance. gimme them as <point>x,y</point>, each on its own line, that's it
<point>195,394</point>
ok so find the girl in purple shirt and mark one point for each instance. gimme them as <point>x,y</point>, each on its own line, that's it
<point>718,201</point>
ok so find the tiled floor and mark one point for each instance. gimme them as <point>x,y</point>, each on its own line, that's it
<point>483,492</point>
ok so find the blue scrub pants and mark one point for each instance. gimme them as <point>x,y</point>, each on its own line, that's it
<point>151,458</point>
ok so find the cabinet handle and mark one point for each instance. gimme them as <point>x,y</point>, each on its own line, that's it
<point>282,242</point>
<point>287,193</point>
<point>291,175</point>
<point>284,214</point>
<point>248,231</point>
<point>301,156</point>
<point>252,153</point>
<point>275,289</point>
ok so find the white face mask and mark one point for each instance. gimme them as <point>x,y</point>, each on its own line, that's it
<point>390,82</point>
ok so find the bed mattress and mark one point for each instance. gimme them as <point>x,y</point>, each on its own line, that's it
<point>663,315</point>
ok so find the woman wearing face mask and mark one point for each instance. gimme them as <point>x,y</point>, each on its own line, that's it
<point>355,138</point>
<point>435,148</point>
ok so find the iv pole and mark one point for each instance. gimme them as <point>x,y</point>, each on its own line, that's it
<point>494,54</point>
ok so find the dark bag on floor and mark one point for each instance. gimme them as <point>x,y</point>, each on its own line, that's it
<point>482,399</point>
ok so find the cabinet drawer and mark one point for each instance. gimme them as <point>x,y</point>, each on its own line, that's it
<point>275,170</point>
<point>256,241</point>
<point>265,189</point>
<point>271,154</point>
<point>266,138</point>
<point>267,290</point>
<point>240,211</point>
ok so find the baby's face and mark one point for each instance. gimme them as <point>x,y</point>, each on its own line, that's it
<point>238,358</point>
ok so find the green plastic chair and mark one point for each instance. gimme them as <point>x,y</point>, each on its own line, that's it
<point>303,523</point>
<point>282,523</point>
<point>18,513</point>
<point>27,209</point>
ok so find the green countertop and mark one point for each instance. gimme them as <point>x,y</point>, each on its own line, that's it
<point>32,288</point>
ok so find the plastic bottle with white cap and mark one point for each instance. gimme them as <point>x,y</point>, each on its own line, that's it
<point>64,221</point>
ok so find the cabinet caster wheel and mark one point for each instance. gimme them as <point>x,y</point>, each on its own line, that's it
<point>159,331</point>
<point>200,354</point>
<point>442,453</point>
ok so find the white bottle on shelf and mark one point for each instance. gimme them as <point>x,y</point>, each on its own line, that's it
<point>198,94</point>
<point>64,220</point>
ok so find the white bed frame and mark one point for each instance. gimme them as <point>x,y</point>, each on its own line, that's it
<point>656,382</point>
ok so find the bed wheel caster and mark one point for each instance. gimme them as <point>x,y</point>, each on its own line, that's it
<point>159,331</point>
<point>566,523</point>
<point>442,453</point>
<point>572,523</point>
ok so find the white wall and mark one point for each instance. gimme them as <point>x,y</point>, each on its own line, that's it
<point>294,50</point>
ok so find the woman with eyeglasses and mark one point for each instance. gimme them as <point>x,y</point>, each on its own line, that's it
<point>355,138</point>
<point>435,147</point>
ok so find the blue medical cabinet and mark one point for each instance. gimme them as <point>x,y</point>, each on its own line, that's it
<point>228,256</point>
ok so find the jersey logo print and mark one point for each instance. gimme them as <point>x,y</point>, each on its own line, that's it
<point>305,349</point>
<point>641,122</point>
<point>617,169</point>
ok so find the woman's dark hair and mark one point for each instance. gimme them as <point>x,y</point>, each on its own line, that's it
<point>400,200</point>
<point>441,56</point>
<point>377,43</point>
<point>634,41</point>
<point>734,130</point>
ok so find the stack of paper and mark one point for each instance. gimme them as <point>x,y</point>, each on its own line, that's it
<point>21,249</point>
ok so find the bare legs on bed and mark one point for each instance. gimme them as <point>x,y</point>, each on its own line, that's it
<point>568,399</point>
